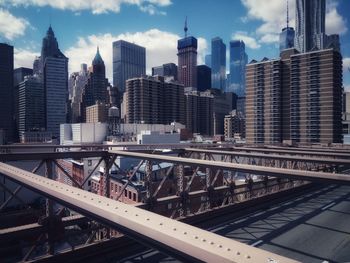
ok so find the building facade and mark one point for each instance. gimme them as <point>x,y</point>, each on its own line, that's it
<point>31,105</point>
<point>187,61</point>
<point>151,100</point>
<point>238,62</point>
<point>55,78</point>
<point>97,112</point>
<point>234,125</point>
<point>218,64</point>
<point>168,70</point>
<point>129,61</point>
<point>295,98</point>
<point>6,91</point>
<point>203,78</point>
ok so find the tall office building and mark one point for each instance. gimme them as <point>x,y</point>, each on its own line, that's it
<point>168,70</point>
<point>6,90</point>
<point>95,89</point>
<point>308,107</point>
<point>77,81</point>
<point>238,62</point>
<point>187,60</point>
<point>151,100</point>
<point>55,78</point>
<point>218,64</point>
<point>31,105</point>
<point>208,60</point>
<point>287,35</point>
<point>129,61</point>
<point>203,78</point>
<point>311,27</point>
<point>20,73</point>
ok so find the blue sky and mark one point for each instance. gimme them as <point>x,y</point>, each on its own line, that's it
<point>81,25</point>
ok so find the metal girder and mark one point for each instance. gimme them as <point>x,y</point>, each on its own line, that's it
<point>250,169</point>
<point>170,236</point>
<point>274,156</point>
<point>51,155</point>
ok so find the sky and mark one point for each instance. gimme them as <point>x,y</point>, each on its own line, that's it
<point>82,25</point>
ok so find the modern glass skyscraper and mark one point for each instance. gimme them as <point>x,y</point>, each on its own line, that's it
<point>129,61</point>
<point>6,90</point>
<point>287,35</point>
<point>310,25</point>
<point>218,64</point>
<point>55,76</point>
<point>208,60</point>
<point>187,61</point>
<point>238,62</point>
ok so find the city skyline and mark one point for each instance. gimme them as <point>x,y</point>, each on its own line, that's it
<point>158,26</point>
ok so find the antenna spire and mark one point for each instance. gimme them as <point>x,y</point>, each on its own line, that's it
<point>186,28</point>
<point>287,14</point>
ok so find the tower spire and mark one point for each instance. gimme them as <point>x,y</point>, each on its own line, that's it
<point>186,28</point>
<point>287,14</point>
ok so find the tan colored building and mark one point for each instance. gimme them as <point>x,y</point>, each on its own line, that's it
<point>97,113</point>
<point>234,125</point>
<point>297,98</point>
<point>151,100</point>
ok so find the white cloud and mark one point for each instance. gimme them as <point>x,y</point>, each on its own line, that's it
<point>151,10</point>
<point>24,58</point>
<point>273,16</point>
<point>96,6</point>
<point>250,41</point>
<point>346,65</point>
<point>161,47</point>
<point>11,26</point>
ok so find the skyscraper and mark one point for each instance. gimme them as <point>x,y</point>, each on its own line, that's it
<point>129,61</point>
<point>218,64</point>
<point>166,70</point>
<point>187,60</point>
<point>95,89</point>
<point>55,78</point>
<point>287,35</point>
<point>310,25</point>
<point>238,62</point>
<point>6,90</point>
<point>208,60</point>
<point>203,78</point>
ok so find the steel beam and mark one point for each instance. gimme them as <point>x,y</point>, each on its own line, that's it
<point>244,168</point>
<point>170,236</point>
<point>273,156</point>
<point>6,157</point>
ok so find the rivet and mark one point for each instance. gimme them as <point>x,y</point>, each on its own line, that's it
<point>185,233</point>
<point>238,253</point>
<point>248,256</point>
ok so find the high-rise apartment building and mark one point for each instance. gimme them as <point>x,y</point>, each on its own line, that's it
<point>151,100</point>
<point>203,78</point>
<point>218,64</point>
<point>31,105</point>
<point>187,60</point>
<point>6,91</point>
<point>297,98</point>
<point>168,70</point>
<point>129,61</point>
<point>55,78</point>
<point>238,62</point>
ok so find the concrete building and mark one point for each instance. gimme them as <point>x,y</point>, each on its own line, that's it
<point>31,105</point>
<point>6,91</point>
<point>187,60</point>
<point>55,79</point>
<point>97,113</point>
<point>129,61</point>
<point>80,133</point>
<point>199,112</point>
<point>218,64</point>
<point>168,70</point>
<point>238,62</point>
<point>77,82</point>
<point>234,125</point>
<point>151,100</point>
<point>300,92</point>
<point>155,137</point>
<point>203,78</point>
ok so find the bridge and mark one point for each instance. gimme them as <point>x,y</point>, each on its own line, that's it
<point>143,222</point>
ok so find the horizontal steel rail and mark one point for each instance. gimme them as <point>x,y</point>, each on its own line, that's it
<point>51,155</point>
<point>170,236</point>
<point>251,169</point>
<point>273,156</point>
